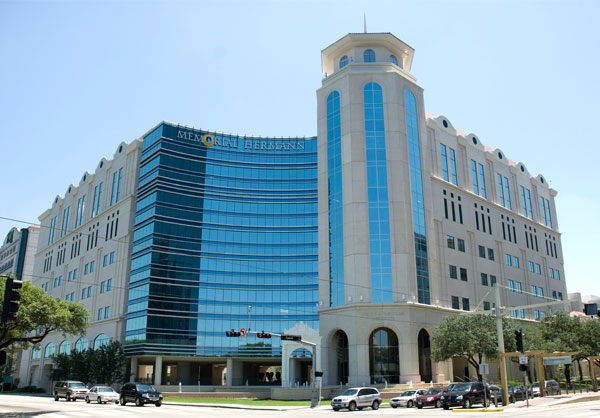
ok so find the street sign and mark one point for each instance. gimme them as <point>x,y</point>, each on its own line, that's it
<point>242,332</point>
<point>523,359</point>
<point>553,361</point>
<point>484,369</point>
<point>291,337</point>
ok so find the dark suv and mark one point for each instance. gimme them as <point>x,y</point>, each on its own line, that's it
<point>140,394</point>
<point>466,395</point>
<point>70,390</point>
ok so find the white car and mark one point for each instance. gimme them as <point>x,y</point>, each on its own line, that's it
<point>102,394</point>
<point>407,399</point>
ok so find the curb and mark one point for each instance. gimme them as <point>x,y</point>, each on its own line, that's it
<point>479,410</point>
<point>238,406</point>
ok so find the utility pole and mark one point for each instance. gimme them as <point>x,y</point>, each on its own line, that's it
<point>502,359</point>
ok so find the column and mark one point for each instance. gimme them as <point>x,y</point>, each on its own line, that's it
<point>133,373</point>
<point>229,372</point>
<point>158,370</point>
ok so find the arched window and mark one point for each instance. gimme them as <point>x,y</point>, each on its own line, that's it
<point>64,347</point>
<point>393,60</point>
<point>424,344</point>
<point>343,61</point>
<point>49,351</point>
<point>384,363</point>
<point>101,340</point>
<point>341,340</point>
<point>82,344</point>
<point>36,353</point>
<point>369,55</point>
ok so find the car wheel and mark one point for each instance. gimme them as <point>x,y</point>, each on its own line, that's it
<point>438,403</point>
<point>56,397</point>
<point>99,400</point>
<point>467,404</point>
<point>116,402</point>
<point>394,406</point>
<point>409,404</point>
<point>87,399</point>
<point>158,404</point>
<point>139,402</point>
<point>352,406</point>
<point>336,409</point>
<point>375,405</point>
<point>123,400</point>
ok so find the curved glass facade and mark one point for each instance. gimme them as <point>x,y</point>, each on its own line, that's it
<point>336,218</point>
<point>418,205</point>
<point>225,237</point>
<point>377,193</point>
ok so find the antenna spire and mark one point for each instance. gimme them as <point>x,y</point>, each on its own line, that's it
<point>365,21</point>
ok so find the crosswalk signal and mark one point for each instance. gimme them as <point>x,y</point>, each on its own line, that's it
<point>263,335</point>
<point>519,340</point>
<point>11,300</point>
<point>233,333</point>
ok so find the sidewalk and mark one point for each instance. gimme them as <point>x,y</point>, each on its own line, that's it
<point>249,407</point>
<point>556,400</point>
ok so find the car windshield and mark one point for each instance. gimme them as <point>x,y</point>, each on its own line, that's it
<point>536,385</point>
<point>76,385</point>
<point>349,392</point>
<point>433,391</point>
<point>461,388</point>
<point>147,388</point>
<point>408,393</point>
<point>106,390</point>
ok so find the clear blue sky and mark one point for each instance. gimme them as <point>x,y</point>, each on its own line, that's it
<point>79,77</point>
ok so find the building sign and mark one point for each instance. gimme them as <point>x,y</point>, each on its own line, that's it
<point>247,143</point>
<point>553,361</point>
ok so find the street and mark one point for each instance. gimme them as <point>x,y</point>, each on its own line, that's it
<point>30,406</point>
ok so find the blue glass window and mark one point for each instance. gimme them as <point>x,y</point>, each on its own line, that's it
<point>336,220</point>
<point>369,55</point>
<point>393,60</point>
<point>343,61</point>
<point>548,213</point>
<point>64,347</point>
<point>377,194</point>
<point>81,344</point>
<point>507,194</point>
<point>482,181</point>
<point>101,340</point>
<point>418,204</point>
<point>474,175</point>
<point>529,203</point>
<point>501,191</point>
<point>453,166</point>
<point>444,162</point>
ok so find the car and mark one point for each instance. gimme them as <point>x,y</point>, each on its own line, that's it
<point>407,398</point>
<point>141,394</point>
<point>466,395</point>
<point>430,398</point>
<point>71,390</point>
<point>516,393</point>
<point>102,394</point>
<point>357,398</point>
<point>552,388</point>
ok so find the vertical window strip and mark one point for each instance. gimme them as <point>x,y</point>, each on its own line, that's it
<point>500,190</point>
<point>414,151</point>
<point>530,212</point>
<point>444,161</point>
<point>453,167</point>
<point>523,200</point>
<point>548,213</point>
<point>482,181</point>
<point>114,189</point>
<point>474,175</point>
<point>334,172</point>
<point>543,210</point>
<point>118,196</point>
<point>377,192</point>
<point>507,193</point>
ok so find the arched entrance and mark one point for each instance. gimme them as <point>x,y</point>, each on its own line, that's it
<point>300,367</point>
<point>424,356</point>
<point>340,340</point>
<point>384,363</point>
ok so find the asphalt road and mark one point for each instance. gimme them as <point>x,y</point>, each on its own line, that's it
<point>36,406</point>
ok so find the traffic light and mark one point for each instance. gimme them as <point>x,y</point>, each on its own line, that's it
<point>11,300</point>
<point>519,340</point>
<point>233,333</point>
<point>263,335</point>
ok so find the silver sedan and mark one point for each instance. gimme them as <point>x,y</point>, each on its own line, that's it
<point>102,394</point>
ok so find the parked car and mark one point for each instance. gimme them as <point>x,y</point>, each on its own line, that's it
<point>357,398</point>
<point>552,388</point>
<point>407,399</point>
<point>140,394</point>
<point>466,395</point>
<point>71,390</point>
<point>430,398</point>
<point>515,393</point>
<point>102,394</point>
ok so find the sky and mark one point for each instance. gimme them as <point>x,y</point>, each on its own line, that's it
<point>79,77</point>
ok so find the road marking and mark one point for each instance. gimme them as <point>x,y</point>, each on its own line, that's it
<point>584,414</point>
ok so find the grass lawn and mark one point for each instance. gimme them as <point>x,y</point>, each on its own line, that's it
<point>241,401</point>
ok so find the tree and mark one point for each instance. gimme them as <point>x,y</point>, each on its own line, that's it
<point>472,336</point>
<point>82,365</point>
<point>40,314</point>
<point>61,367</point>
<point>109,363</point>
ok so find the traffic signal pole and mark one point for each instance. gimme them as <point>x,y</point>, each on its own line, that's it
<point>502,359</point>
